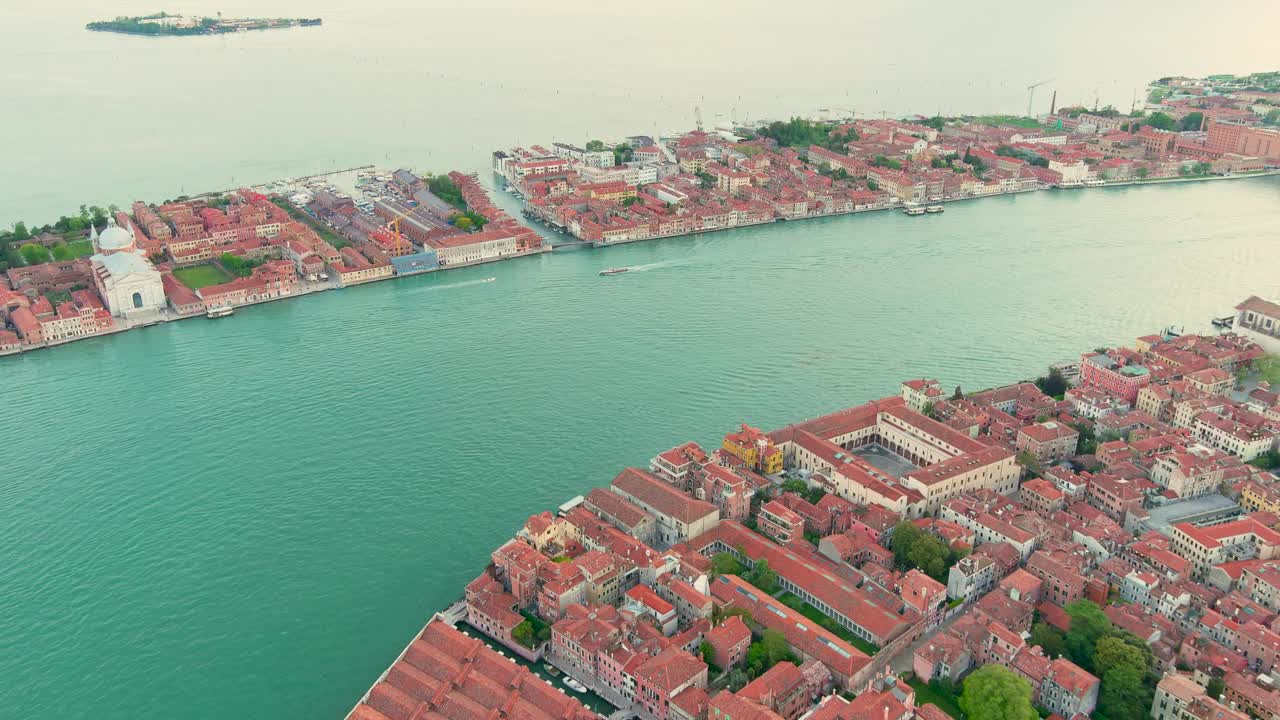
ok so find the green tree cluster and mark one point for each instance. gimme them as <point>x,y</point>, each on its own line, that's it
<point>532,632</point>
<point>798,132</point>
<point>1053,384</point>
<point>445,189</point>
<point>762,576</point>
<point>801,488</point>
<point>239,266</point>
<point>769,650</point>
<point>1029,462</point>
<point>1269,460</point>
<point>725,564</point>
<point>1160,121</point>
<point>708,654</point>
<point>623,153</point>
<point>34,254</point>
<point>1120,659</point>
<point>924,551</point>
<point>595,145</point>
<point>1191,121</point>
<point>1086,439</point>
<point>1049,639</point>
<point>994,692</point>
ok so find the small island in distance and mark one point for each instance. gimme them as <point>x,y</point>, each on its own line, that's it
<point>163,23</point>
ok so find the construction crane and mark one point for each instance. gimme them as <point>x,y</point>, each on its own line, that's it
<point>394,226</point>
<point>1031,93</point>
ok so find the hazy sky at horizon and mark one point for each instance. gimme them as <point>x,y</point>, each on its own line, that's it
<point>436,83</point>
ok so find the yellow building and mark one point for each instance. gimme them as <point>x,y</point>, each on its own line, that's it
<point>755,449</point>
<point>1254,497</point>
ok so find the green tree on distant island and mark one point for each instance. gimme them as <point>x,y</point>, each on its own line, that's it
<point>595,145</point>
<point>993,692</point>
<point>34,254</point>
<point>1160,121</point>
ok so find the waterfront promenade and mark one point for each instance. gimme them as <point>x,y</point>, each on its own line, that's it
<point>310,285</point>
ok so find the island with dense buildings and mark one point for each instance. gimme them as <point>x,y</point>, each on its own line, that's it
<point>163,23</point>
<point>704,180</point>
<point>208,255</point>
<point>1075,545</point>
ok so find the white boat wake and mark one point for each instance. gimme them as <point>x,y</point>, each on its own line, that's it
<point>465,283</point>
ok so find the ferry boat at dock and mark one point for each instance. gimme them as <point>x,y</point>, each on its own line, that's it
<point>934,209</point>
<point>912,209</point>
<point>615,271</point>
<point>220,311</point>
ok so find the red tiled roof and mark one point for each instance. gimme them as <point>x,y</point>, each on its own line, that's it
<point>613,504</point>
<point>670,669</point>
<point>662,497</point>
<point>445,674</point>
<point>647,597</point>
<point>1212,535</point>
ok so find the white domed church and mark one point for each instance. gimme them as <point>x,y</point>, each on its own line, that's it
<point>127,281</point>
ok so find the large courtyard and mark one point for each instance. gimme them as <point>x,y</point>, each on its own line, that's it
<point>198,276</point>
<point>885,459</point>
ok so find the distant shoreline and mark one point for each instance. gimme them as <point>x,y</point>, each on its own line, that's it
<point>165,25</point>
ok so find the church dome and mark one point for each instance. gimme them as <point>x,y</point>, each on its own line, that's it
<point>115,238</point>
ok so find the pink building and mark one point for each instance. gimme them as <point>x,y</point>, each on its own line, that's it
<point>1123,381</point>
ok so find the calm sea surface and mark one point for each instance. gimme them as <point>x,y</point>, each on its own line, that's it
<point>250,517</point>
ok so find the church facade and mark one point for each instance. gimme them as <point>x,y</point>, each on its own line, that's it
<point>129,284</point>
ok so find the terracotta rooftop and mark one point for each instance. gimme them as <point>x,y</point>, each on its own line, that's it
<point>444,674</point>
<point>661,497</point>
<point>614,505</point>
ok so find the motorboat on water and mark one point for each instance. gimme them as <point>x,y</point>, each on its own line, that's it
<point>614,271</point>
<point>934,208</point>
<point>552,670</point>
<point>220,311</point>
<point>574,684</point>
<point>489,279</point>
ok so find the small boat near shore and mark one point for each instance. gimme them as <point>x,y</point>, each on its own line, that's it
<point>574,684</point>
<point>615,271</point>
<point>1224,322</point>
<point>934,208</point>
<point>552,670</point>
<point>220,311</point>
